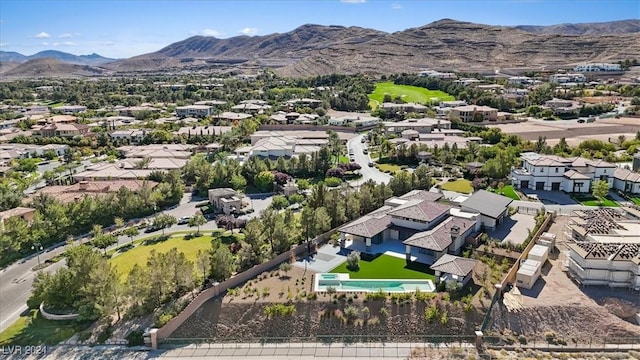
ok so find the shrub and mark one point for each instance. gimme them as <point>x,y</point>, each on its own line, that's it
<point>444,318</point>
<point>163,320</point>
<point>522,339</point>
<point>272,310</point>
<point>431,313</point>
<point>135,338</point>
<point>378,295</point>
<point>334,173</point>
<point>332,181</point>
<point>296,198</point>
<point>351,312</point>
<point>105,334</point>
<point>384,312</point>
<point>353,261</point>
<point>312,296</point>
<point>331,290</point>
<point>279,202</point>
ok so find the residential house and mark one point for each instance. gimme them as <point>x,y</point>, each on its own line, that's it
<point>225,200</point>
<point>563,78</point>
<point>555,173</point>
<point>604,248</point>
<point>437,74</point>
<point>403,107</point>
<point>598,67</point>
<point>471,113</point>
<point>251,107</point>
<point>132,136</point>
<point>284,146</point>
<point>493,208</point>
<point>355,120</point>
<point>129,169</point>
<point>422,126</point>
<point>520,80</point>
<point>194,110</point>
<point>62,130</point>
<point>561,106</point>
<point>626,181</point>
<point>207,130</point>
<point>413,224</point>
<point>75,192</point>
<point>451,268</point>
<point>135,110</point>
<point>70,109</point>
<point>10,152</point>
<point>302,102</point>
<point>25,213</point>
<point>231,116</point>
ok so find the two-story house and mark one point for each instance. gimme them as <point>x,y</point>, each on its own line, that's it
<point>469,113</point>
<point>555,173</point>
<point>63,130</point>
<point>194,110</point>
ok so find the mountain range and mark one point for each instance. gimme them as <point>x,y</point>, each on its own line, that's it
<point>92,59</point>
<point>445,44</point>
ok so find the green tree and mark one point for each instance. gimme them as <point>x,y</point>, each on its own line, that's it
<point>279,202</point>
<point>222,262</point>
<point>238,182</point>
<point>203,262</point>
<point>600,189</point>
<point>197,221</point>
<point>131,232</point>
<point>264,181</point>
<point>103,241</point>
<point>164,221</point>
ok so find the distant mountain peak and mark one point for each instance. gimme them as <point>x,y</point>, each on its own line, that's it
<point>91,59</point>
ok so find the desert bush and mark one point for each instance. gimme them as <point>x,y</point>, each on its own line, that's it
<point>135,338</point>
<point>431,313</point>
<point>272,310</point>
<point>353,261</point>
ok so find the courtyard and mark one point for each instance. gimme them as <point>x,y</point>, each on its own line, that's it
<point>514,229</point>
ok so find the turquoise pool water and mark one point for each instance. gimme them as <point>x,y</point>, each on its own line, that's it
<point>342,282</point>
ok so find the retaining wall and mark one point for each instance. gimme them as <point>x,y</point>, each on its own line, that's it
<point>56,317</point>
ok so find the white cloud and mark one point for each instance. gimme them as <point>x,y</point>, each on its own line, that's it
<point>211,32</point>
<point>4,45</point>
<point>353,1</point>
<point>44,43</point>
<point>248,31</point>
<point>42,35</point>
<point>396,6</point>
<point>64,43</point>
<point>68,35</point>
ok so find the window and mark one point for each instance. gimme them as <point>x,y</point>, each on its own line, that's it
<point>556,170</point>
<point>605,171</point>
<point>541,170</point>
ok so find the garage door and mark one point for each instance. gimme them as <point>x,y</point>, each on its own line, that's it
<point>540,185</point>
<point>555,186</point>
<point>524,184</point>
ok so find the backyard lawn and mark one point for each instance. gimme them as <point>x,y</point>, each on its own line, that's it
<point>139,254</point>
<point>407,92</point>
<point>385,267</point>
<point>508,191</point>
<point>33,329</point>
<point>460,185</point>
<point>636,200</point>
<point>588,200</point>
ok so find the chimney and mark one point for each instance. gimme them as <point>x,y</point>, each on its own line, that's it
<point>83,185</point>
<point>455,231</point>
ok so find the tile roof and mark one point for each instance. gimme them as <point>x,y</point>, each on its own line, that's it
<point>422,195</point>
<point>574,175</point>
<point>418,209</point>
<point>369,225</point>
<point>439,238</point>
<point>16,211</point>
<point>68,193</point>
<point>626,174</point>
<point>454,265</point>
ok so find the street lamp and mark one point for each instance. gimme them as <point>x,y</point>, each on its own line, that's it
<point>37,247</point>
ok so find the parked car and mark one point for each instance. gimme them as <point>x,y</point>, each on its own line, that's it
<point>365,151</point>
<point>183,220</point>
<point>371,164</point>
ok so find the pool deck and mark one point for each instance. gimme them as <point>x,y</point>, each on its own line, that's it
<point>327,259</point>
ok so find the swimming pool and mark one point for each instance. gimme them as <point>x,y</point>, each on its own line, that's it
<point>342,282</point>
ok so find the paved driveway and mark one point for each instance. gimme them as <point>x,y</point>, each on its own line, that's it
<point>514,229</point>
<point>327,259</point>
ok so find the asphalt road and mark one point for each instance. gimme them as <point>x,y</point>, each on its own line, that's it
<point>16,279</point>
<point>368,173</point>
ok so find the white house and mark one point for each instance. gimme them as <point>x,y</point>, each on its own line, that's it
<point>626,180</point>
<point>567,78</point>
<point>598,67</point>
<point>555,173</point>
<point>194,110</point>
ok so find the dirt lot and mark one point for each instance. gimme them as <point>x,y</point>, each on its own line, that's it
<point>557,304</point>
<point>572,130</point>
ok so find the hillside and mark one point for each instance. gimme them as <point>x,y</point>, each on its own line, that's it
<point>604,28</point>
<point>444,44</point>
<point>48,67</point>
<point>92,59</point>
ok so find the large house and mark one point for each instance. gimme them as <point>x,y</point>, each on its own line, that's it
<point>24,213</point>
<point>555,173</point>
<point>422,126</point>
<point>604,248</point>
<point>194,110</point>
<point>414,224</point>
<point>63,130</point>
<point>75,192</point>
<point>598,67</point>
<point>626,180</point>
<point>469,113</point>
<point>225,200</point>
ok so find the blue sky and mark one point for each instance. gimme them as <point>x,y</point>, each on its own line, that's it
<point>124,28</point>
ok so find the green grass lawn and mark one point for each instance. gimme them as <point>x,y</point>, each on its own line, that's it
<point>508,191</point>
<point>408,93</point>
<point>341,159</point>
<point>32,329</point>
<point>588,200</point>
<point>635,200</point>
<point>460,185</point>
<point>385,267</point>
<point>392,168</point>
<point>139,255</point>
